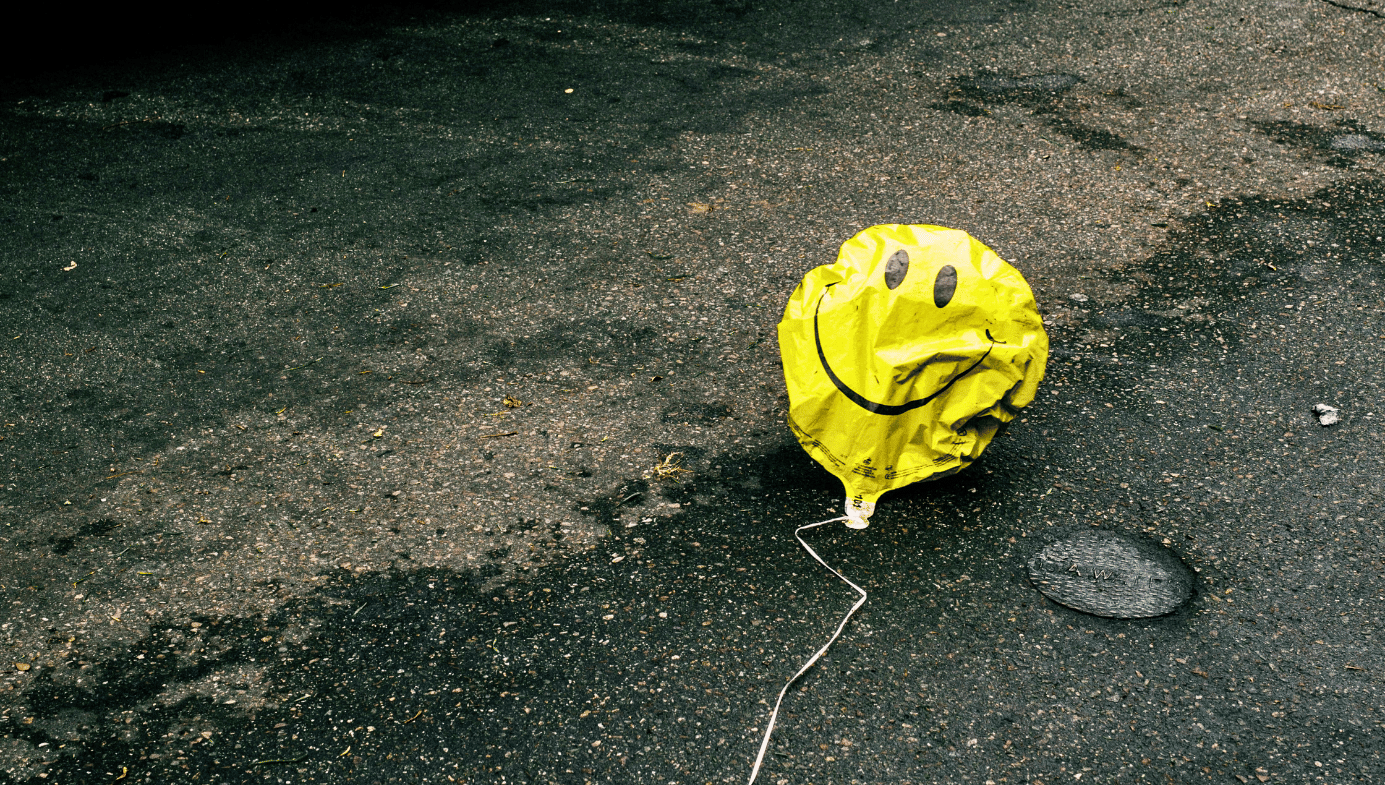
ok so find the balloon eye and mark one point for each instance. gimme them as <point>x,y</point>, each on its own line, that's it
<point>945,286</point>
<point>896,268</point>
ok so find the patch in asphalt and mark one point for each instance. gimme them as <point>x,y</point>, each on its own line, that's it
<point>645,655</point>
<point>387,675</point>
<point>1043,95</point>
<point>1243,256</point>
<point>1112,575</point>
<point>1339,145</point>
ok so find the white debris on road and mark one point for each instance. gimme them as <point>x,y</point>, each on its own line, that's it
<point>1327,415</point>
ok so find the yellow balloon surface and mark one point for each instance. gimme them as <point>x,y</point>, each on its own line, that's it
<point>905,357</point>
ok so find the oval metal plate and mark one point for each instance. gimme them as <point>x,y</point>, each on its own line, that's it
<point>1111,575</point>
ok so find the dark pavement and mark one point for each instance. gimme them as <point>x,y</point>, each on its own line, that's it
<point>394,397</point>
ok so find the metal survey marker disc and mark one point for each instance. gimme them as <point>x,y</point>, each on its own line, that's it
<point>1108,574</point>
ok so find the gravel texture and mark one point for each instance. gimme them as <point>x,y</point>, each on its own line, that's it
<point>395,397</point>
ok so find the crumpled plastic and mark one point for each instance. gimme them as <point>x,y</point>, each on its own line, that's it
<point>906,357</point>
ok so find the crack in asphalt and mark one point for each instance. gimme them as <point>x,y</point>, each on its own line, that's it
<point>1357,9</point>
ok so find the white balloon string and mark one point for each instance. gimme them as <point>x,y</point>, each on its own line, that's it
<point>764,745</point>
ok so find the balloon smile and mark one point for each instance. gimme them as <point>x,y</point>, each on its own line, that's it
<point>905,326</point>
<point>889,408</point>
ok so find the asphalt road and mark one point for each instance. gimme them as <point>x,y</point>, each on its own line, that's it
<point>395,398</point>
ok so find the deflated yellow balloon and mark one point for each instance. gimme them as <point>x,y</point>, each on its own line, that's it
<point>905,357</point>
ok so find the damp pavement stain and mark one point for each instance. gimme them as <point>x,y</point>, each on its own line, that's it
<point>1043,95</point>
<point>338,368</point>
<point>1340,143</point>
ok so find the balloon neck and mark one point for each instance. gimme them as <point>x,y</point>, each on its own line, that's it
<point>858,512</point>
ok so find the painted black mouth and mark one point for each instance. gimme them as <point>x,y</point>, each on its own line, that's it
<point>884,408</point>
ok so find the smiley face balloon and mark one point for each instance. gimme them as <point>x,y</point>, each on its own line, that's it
<point>905,357</point>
